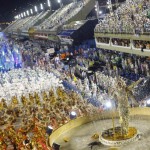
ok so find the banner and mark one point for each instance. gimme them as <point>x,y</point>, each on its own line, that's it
<point>53,38</point>
<point>66,40</point>
<point>50,51</point>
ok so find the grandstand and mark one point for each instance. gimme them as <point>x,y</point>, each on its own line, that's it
<point>46,23</point>
<point>126,29</point>
<point>23,25</point>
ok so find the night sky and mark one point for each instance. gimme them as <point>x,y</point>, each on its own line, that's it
<point>11,8</point>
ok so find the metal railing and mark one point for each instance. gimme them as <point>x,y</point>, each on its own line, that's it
<point>113,31</point>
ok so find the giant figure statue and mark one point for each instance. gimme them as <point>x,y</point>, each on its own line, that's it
<point>121,92</point>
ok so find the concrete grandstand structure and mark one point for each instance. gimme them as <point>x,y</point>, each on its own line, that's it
<point>47,24</point>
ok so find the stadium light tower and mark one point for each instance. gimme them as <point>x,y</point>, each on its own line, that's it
<point>41,5</point>
<point>31,11</point>
<point>60,3</point>
<point>35,8</point>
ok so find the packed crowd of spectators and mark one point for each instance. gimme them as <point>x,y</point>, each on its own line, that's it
<point>137,44</point>
<point>103,40</point>
<point>129,17</point>
<point>121,42</point>
<point>119,63</point>
<point>113,63</point>
<point>141,44</point>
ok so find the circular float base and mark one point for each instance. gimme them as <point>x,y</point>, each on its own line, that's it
<point>113,137</point>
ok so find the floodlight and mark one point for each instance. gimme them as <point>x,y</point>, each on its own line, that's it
<point>73,115</point>
<point>148,101</point>
<point>24,14</point>
<point>41,5</point>
<point>27,12</point>
<point>48,3</point>
<point>35,7</point>
<point>100,12</point>
<point>49,130</point>
<point>108,104</point>
<point>31,11</point>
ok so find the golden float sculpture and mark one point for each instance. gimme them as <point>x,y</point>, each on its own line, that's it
<point>122,134</point>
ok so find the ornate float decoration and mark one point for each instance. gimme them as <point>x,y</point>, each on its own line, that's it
<point>122,134</point>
